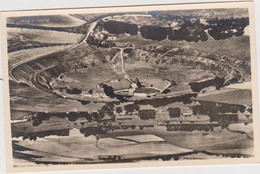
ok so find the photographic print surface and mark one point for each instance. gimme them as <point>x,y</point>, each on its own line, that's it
<point>140,85</point>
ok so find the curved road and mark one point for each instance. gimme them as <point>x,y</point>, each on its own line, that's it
<point>34,79</point>
<point>14,66</point>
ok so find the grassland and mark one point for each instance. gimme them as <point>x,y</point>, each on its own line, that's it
<point>21,38</point>
<point>232,96</point>
<point>142,20</point>
<point>217,141</point>
<point>29,99</point>
<point>27,54</point>
<point>87,78</point>
<point>149,76</point>
<point>46,36</point>
<point>47,21</point>
<point>237,47</point>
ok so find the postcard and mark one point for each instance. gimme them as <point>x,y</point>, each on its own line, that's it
<point>127,87</point>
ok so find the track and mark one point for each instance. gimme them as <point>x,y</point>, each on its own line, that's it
<point>33,77</point>
<point>13,68</point>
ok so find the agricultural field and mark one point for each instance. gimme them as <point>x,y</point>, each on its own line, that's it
<point>47,21</point>
<point>44,36</point>
<point>28,54</point>
<point>228,96</point>
<point>22,38</point>
<point>141,19</point>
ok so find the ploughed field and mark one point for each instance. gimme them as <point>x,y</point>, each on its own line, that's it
<point>48,21</point>
<point>23,38</point>
<point>162,79</point>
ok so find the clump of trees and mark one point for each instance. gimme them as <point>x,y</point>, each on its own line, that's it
<point>198,86</point>
<point>147,114</point>
<point>174,112</point>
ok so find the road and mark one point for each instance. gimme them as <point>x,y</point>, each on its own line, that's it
<point>91,28</point>
<point>14,66</point>
<point>34,78</point>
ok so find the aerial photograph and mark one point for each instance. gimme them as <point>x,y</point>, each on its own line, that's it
<point>130,87</point>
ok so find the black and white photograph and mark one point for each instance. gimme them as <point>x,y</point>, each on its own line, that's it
<point>130,85</point>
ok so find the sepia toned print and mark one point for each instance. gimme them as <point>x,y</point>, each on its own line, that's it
<point>113,87</point>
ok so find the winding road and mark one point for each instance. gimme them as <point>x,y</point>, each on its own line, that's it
<point>16,65</point>
<point>32,78</point>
